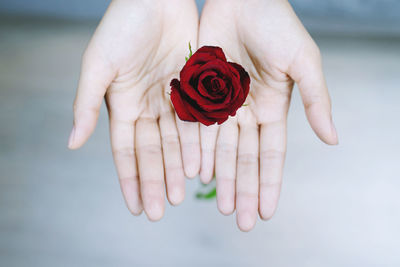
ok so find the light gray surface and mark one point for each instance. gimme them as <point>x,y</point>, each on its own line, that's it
<point>339,205</point>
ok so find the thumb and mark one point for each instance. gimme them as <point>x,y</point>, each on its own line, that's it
<point>307,73</point>
<point>94,80</point>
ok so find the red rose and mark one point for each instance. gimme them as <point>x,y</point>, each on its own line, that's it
<point>211,89</point>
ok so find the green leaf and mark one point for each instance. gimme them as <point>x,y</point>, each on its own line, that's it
<point>190,52</point>
<point>209,195</point>
<point>207,191</point>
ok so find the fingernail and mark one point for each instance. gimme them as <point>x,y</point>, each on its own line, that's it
<point>205,176</point>
<point>71,138</point>
<point>334,132</point>
<point>177,195</point>
<point>269,197</point>
<point>245,221</point>
<point>155,211</point>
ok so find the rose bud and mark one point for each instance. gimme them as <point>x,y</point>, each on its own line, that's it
<point>210,88</point>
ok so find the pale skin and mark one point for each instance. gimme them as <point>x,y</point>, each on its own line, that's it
<point>248,151</point>
<point>136,50</point>
<point>140,46</point>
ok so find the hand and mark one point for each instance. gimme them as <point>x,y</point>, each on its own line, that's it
<point>269,41</point>
<point>137,49</point>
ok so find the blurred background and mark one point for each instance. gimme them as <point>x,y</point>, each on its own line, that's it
<point>339,205</point>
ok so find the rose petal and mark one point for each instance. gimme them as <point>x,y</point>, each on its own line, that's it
<point>179,104</point>
<point>244,76</point>
<point>211,88</point>
<point>221,67</point>
<point>204,55</point>
<point>200,85</point>
<point>218,114</point>
<point>200,116</point>
<point>205,88</point>
<point>212,50</point>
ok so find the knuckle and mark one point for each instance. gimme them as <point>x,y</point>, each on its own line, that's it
<point>227,179</point>
<point>277,122</point>
<point>132,178</point>
<point>152,182</point>
<point>247,159</point>
<point>190,144</point>
<point>272,154</point>
<point>80,110</point>
<point>270,183</point>
<point>151,149</point>
<point>226,148</point>
<point>170,140</point>
<point>247,194</point>
<point>123,152</point>
<point>312,100</point>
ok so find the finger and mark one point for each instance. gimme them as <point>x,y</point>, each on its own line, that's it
<point>208,138</point>
<point>151,170</point>
<point>247,175</point>
<point>94,80</point>
<point>225,165</point>
<point>307,73</point>
<point>175,178</point>
<point>272,158</point>
<point>190,145</point>
<point>122,142</point>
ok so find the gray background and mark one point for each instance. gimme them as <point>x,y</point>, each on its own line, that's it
<point>356,9</point>
<point>339,205</point>
<point>350,16</point>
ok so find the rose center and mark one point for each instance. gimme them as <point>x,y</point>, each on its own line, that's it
<point>217,86</point>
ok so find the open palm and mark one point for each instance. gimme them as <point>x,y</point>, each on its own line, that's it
<point>136,50</point>
<point>269,41</point>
